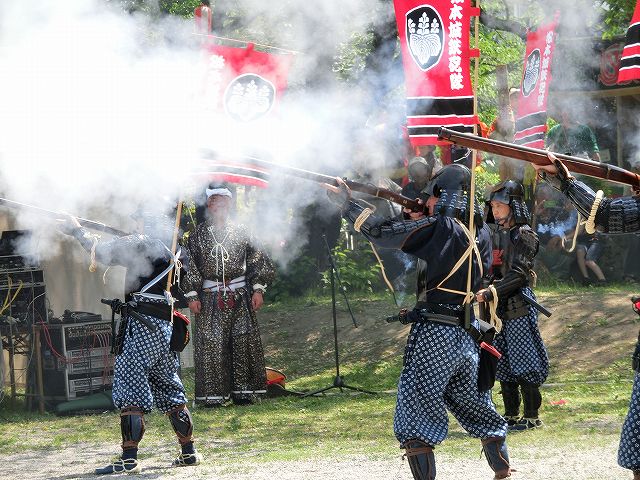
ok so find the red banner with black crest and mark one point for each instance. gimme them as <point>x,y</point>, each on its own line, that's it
<point>630,59</point>
<point>531,118</point>
<point>434,39</point>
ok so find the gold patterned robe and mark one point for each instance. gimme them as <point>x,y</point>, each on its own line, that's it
<point>229,360</point>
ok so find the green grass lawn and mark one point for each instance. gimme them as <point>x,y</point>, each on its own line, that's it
<point>589,410</point>
<point>338,424</point>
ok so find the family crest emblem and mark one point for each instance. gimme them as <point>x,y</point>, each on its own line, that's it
<point>249,97</point>
<point>531,73</point>
<point>425,36</point>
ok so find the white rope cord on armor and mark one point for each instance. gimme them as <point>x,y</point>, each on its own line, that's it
<point>177,266</point>
<point>104,275</point>
<point>357,225</point>
<point>494,319</point>
<point>220,254</point>
<point>174,263</point>
<point>174,256</point>
<point>384,273</point>
<point>471,249</point>
<point>575,236</point>
<point>472,242</point>
<point>93,266</point>
<point>590,224</point>
<point>358,222</point>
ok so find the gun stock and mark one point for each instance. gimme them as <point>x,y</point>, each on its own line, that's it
<point>538,156</point>
<point>406,202</point>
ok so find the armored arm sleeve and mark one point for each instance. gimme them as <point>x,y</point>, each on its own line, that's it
<point>388,233</point>
<point>619,215</point>
<point>119,251</point>
<point>525,249</point>
<point>192,281</point>
<point>260,270</point>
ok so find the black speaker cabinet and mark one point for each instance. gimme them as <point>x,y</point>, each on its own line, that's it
<point>76,360</point>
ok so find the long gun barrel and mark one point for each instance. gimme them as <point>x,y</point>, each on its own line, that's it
<point>538,156</point>
<point>101,227</point>
<point>356,186</point>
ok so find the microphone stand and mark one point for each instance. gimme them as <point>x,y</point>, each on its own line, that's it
<point>338,381</point>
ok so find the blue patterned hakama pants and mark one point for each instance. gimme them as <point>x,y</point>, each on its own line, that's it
<point>441,372</point>
<point>524,356</point>
<point>146,372</point>
<point>629,451</point>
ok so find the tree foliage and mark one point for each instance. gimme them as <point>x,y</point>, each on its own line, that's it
<point>616,16</point>
<point>354,60</point>
<point>369,61</point>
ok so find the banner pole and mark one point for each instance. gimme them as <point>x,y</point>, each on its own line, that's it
<point>472,189</point>
<point>174,241</point>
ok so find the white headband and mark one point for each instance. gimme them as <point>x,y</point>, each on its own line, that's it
<point>225,192</point>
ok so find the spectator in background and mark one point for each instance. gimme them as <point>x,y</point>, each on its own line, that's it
<point>574,138</point>
<point>555,218</point>
<point>503,129</point>
<point>588,250</point>
<point>632,259</point>
<point>203,17</point>
<point>455,154</point>
<point>420,171</point>
<point>570,136</point>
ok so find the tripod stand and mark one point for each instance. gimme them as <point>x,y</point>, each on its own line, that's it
<point>338,381</point>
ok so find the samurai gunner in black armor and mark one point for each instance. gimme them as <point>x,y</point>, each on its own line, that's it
<point>146,370</point>
<point>617,215</point>
<point>524,364</point>
<point>441,362</point>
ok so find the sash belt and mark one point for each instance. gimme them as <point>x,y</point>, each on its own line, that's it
<point>163,312</point>
<point>433,312</point>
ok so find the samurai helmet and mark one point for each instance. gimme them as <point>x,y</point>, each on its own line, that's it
<point>451,185</point>
<point>158,218</point>
<point>420,167</point>
<point>510,193</point>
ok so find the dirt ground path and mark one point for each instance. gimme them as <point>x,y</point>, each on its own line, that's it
<point>603,322</point>
<point>536,463</point>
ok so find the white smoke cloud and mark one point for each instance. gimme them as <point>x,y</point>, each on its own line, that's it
<point>89,113</point>
<point>101,111</point>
